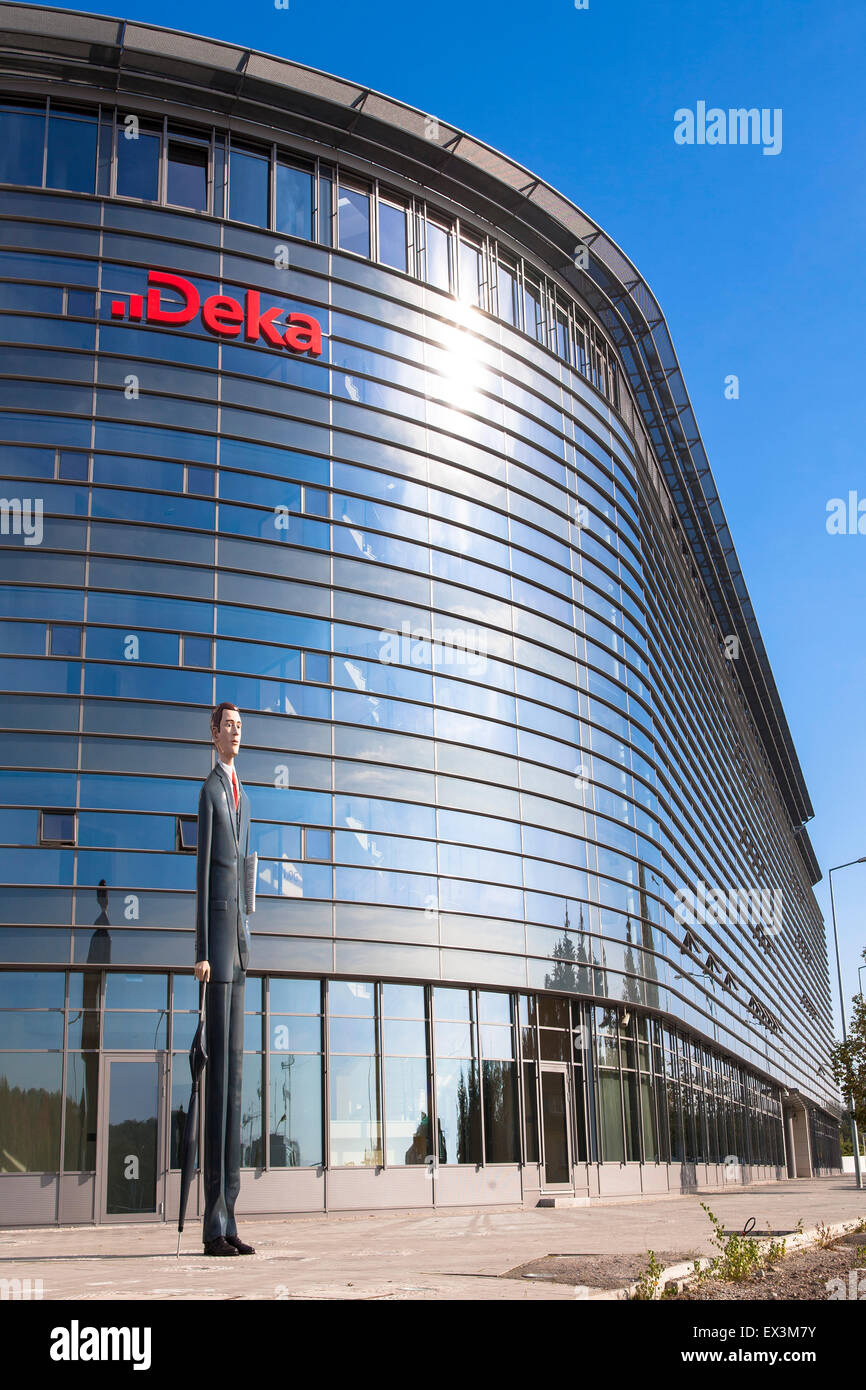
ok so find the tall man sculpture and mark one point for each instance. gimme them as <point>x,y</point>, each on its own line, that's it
<point>222,948</point>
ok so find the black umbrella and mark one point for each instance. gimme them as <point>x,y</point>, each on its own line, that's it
<point>197,1060</point>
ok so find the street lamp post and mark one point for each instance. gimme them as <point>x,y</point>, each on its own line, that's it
<point>858,1177</point>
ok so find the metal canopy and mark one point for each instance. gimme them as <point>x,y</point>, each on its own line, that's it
<point>244,85</point>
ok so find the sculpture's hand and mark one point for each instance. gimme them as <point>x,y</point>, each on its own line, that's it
<point>202,970</point>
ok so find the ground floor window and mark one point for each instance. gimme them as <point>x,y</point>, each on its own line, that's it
<point>364,1073</point>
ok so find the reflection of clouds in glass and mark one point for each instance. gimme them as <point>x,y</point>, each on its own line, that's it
<point>367,843</point>
<point>356,675</point>
<point>364,547</point>
<point>352,390</point>
<point>283,879</point>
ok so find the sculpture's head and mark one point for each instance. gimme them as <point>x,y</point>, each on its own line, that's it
<point>225,727</point>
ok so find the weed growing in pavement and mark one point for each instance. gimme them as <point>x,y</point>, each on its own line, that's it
<point>775,1251</point>
<point>740,1256</point>
<point>825,1237</point>
<point>647,1286</point>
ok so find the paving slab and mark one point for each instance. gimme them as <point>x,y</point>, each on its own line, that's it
<point>459,1254</point>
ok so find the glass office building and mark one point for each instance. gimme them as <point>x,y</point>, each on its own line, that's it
<point>312,402</point>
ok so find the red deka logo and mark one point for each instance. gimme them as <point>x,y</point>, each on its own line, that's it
<point>221,314</point>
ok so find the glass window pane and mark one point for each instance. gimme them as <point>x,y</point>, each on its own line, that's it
<point>294,1033</point>
<point>65,641</point>
<point>392,236</point>
<point>22,136</point>
<point>295,1111</point>
<point>458,1107</point>
<point>20,1028</point>
<point>500,1112</point>
<point>353,1035</point>
<point>532,308</point>
<point>530,1108</point>
<point>451,1003</point>
<point>252,1113</point>
<point>553,1012</point>
<point>453,1040</point>
<point>353,216</point>
<point>187,176</point>
<point>403,1001</point>
<point>508,301</point>
<point>31,989</point>
<point>496,1041</point>
<point>438,256</point>
<point>30,1111</point>
<point>137,164</point>
<point>405,1037</point>
<point>326,207</point>
<point>142,1032</point>
<point>197,651</point>
<point>356,1130</point>
<point>82,1078</point>
<point>135,991</point>
<point>181,1090</point>
<point>71,154</point>
<point>294,202</point>
<point>494,1008</point>
<point>296,997</point>
<point>631,1098</point>
<point>352,997</point>
<point>248,188</point>
<point>470,273</point>
<point>407,1118</point>
<point>133,1128</point>
<point>611,1117</point>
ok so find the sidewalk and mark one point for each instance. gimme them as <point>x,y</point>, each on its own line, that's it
<point>449,1254</point>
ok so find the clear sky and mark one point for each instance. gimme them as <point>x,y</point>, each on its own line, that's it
<point>755,259</point>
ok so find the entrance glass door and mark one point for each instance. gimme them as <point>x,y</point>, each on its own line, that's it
<point>556,1126</point>
<point>131,1159</point>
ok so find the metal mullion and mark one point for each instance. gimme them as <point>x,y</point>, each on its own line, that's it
<point>456,277</point>
<point>476,1047</point>
<point>63,1065</point>
<point>433,1143</point>
<point>374,221</point>
<point>325,1006</point>
<point>266,1070</point>
<point>114,157</point>
<point>380,1066</point>
<point>621,1069</point>
<point>518,1053</point>
<point>162,190</point>
<point>45,142</point>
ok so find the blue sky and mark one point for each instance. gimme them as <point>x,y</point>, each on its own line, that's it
<point>755,260</point>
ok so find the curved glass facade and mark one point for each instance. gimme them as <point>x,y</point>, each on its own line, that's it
<point>494,747</point>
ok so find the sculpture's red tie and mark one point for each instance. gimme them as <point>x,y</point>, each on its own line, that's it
<point>235,787</point>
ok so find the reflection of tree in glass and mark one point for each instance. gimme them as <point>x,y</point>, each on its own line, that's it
<point>631,991</point>
<point>131,1138</point>
<point>650,969</point>
<point>468,1117</point>
<point>30,1127</point>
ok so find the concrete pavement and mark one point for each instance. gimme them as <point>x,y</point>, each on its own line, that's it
<point>447,1254</point>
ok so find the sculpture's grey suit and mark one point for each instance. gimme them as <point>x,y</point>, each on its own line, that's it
<point>222,938</point>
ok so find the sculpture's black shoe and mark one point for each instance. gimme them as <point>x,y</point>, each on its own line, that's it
<point>240,1246</point>
<point>219,1246</point>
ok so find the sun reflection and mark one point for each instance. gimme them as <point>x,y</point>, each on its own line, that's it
<point>461,367</point>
